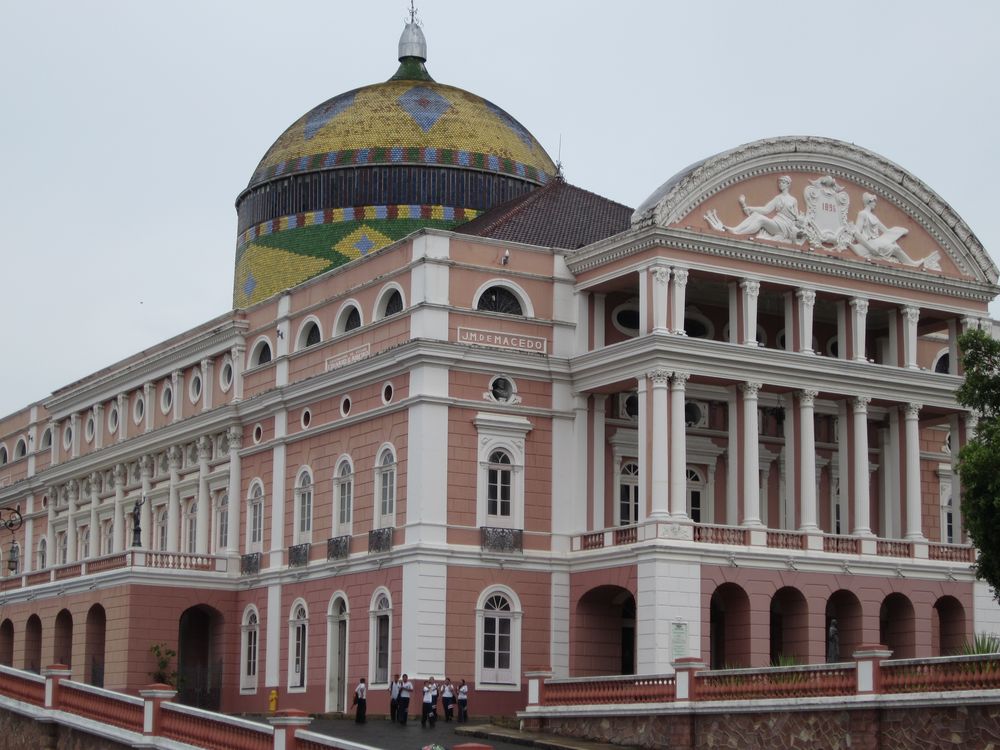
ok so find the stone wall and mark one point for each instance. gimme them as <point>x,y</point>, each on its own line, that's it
<point>836,728</point>
<point>24,733</point>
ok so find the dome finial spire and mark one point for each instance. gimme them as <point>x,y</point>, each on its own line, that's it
<point>412,42</point>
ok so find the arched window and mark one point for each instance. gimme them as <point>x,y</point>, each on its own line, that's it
<point>47,438</point>
<point>943,363</point>
<point>298,626</point>
<point>309,335</point>
<point>61,545</point>
<point>380,617</point>
<point>107,538</point>
<point>255,518</point>
<point>222,523</point>
<point>43,549</point>
<point>249,649</point>
<point>393,304</point>
<point>3,455</point>
<point>303,507</point>
<point>498,639</point>
<point>261,353</point>
<point>498,485</point>
<point>385,487</point>
<point>343,496</point>
<point>348,318</point>
<point>628,494</point>
<point>696,499</point>
<point>499,299</point>
<point>161,530</point>
<point>353,320</point>
<point>83,543</point>
<point>20,449</point>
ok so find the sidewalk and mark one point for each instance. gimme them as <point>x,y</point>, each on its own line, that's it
<point>380,733</point>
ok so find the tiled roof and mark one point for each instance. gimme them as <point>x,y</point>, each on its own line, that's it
<point>556,215</point>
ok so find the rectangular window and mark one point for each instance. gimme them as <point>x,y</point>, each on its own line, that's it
<point>498,492</point>
<point>305,511</point>
<point>382,654</point>
<point>251,665</point>
<point>256,522</point>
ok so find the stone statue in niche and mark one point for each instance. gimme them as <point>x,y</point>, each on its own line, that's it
<point>833,643</point>
<point>875,241</point>
<point>779,219</point>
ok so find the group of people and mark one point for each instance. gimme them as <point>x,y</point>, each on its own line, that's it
<point>401,690</point>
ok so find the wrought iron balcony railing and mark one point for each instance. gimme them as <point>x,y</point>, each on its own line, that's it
<point>250,563</point>
<point>499,539</point>
<point>380,540</point>
<point>338,547</point>
<point>298,555</point>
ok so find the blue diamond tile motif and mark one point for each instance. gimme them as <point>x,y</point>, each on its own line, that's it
<point>323,114</point>
<point>511,123</point>
<point>424,106</point>
<point>364,244</point>
<point>249,285</point>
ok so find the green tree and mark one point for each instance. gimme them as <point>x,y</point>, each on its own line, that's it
<point>979,460</point>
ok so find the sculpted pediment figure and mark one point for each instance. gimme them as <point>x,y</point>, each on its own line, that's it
<point>779,219</point>
<point>875,241</point>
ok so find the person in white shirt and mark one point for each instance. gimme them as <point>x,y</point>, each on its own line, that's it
<point>448,698</point>
<point>393,697</point>
<point>429,715</point>
<point>403,702</point>
<point>361,701</point>
<point>463,702</point>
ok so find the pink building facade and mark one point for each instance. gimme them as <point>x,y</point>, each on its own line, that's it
<point>724,427</point>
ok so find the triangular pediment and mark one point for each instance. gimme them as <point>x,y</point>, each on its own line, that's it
<point>823,197</point>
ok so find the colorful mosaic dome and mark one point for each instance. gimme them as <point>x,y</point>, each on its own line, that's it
<point>368,167</point>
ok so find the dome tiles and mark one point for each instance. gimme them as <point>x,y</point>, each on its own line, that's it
<point>370,166</point>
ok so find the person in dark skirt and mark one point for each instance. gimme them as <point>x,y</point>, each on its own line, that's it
<point>361,702</point>
<point>448,699</point>
<point>403,702</point>
<point>393,697</point>
<point>463,702</point>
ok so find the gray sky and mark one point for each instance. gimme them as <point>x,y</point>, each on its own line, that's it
<point>130,127</point>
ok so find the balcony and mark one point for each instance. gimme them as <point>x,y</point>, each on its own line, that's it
<point>498,539</point>
<point>250,564</point>
<point>380,540</point>
<point>338,547</point>
<point>298,555</point>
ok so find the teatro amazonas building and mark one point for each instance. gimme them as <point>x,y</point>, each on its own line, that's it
<point>468,419</point>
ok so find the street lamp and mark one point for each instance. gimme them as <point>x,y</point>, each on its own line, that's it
<point>10,519</point>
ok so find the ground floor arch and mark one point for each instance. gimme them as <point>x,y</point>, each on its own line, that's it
<point>729,627</point>
<point>33,644</point>
<point>63,638</point>
<point>897,626</point>
<point>93,651</point>
<point>789,627</point>
<point>7,643</point>
<point>948,630</point>
<point>199,657</point>
<point>336,657</point>
<point>843,626</point>
<point>603,635</point>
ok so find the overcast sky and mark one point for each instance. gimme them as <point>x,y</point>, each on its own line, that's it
<point>130,127</point>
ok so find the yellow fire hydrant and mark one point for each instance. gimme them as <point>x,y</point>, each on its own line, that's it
<point>272,701</point>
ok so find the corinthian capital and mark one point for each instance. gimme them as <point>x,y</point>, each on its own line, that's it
<point>750,390</point>
<point>659,376</point>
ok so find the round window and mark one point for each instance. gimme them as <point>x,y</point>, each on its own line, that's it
<point>258,433</point>
<point>387,393</point>
<point>113,419</point>
<point>90,429</point>
<point>345,406</point>
<point>166,398</point>
<point>502,389</point>
<point>195,389</point>
<point>226,376</point>
<point>306,418</point>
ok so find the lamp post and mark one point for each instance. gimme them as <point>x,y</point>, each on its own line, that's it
<point>10,519</point>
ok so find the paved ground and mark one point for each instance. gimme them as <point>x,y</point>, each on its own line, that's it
<point>382,734</point>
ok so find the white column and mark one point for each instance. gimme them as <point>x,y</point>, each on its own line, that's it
<point>56,442</point>
<point>148,406</point>
<point>806,300</point>
<point>92,530</point>
<point>751,290</point>
<point>661,280</point>
<point>953,351</point>
<point>74,443</point>
<point>751,455</point>
<point>732,462</point>
<point>913,495</point>
<point>123,417</point>
<point>677,297</point>
<point>51,553</point>
<point>177,384</point>
<point>859,316</point>
<point>98,426</point>
<point>660,499</point>
<point>146,511</point>
<point>72,492</point>
<point>910,317</point>
<point>173,499</point>
<point>581,455</point>
<point>862,525</point>
<point>237,353</point>
<point>233,534</point>
<point>807,462</point>
<point>599,321</point>
<point>678,448</point>
<point>204,503</point>
<point>957,443</point>
<point>207,373</point>
<point>597,460</point>
<point>118,522</point>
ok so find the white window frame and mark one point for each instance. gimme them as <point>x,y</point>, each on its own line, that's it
<point>527,309</point>
<point>302,335</point>
<point>632,482</point>
<point>42,553</point>
<point>304,498</point>
<point>62,549</point>
<point>222,522</point>
<point>340,326</point>
<point>343,488</point>
<point>501,432</point>
<point>298,646</point>
<point>947,507</point>
<point>385,486</point>
<point>255,520</point>
<point>249,650</point>
<point>696,482</point>
<point>383,300</point>
<point>190,526</point>
<point>380,607</point>
<point>487,679</point>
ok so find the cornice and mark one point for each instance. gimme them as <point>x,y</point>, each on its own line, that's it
<point>131,373</point>
<point>768,256</point>
<point>629,360</point>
